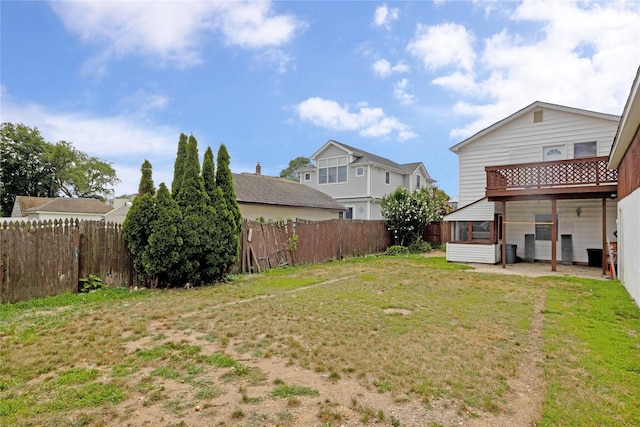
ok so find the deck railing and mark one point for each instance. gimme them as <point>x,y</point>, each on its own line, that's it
<point>590,171</point>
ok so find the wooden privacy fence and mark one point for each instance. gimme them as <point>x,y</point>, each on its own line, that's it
<point>43,258</point>
<point>269,245</point>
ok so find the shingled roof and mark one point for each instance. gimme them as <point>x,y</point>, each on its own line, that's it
<point>60,205</point>
<point>268,190</point>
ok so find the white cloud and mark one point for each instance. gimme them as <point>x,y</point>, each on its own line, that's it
<point>123,140</point>
<point>584,55</point>
<point>383,16</point>
<point>443,45</point>
<point>173,32</point>
<point>382,68</point>
<point>367,121</point>
<point>400,93</point>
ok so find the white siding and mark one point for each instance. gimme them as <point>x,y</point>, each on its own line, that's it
<point>522,141</point>
<point>480,211</point>
<point>629,243</point>
<point>586,229</point>
<point>460,252</point>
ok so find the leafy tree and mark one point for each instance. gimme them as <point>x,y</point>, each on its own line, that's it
<point>23,169</point>
<point>146,182</point>
<point>178,167</point>
<point>409,213</point>
<point>224,180</point>
<point>163,255</point>
<point>291,172</point>
<point>80,175</point>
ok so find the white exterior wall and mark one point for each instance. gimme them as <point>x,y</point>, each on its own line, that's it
<point>522,141</point>
<point>586,229</point>
<point>485,254</point>
<point>251,211</point>
<point>46,216</point>
<point>629,243</point>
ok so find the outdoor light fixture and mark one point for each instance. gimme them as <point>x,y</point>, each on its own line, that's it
<point>578,211</point>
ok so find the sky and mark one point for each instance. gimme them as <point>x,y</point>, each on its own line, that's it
<point>276,80</point>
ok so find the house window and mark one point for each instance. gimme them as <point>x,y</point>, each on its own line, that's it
<point>307,177</point>
<point>418,181</point>
<point>386,177</point>
<point>348,214</point>
<point>585,149</point>
<point>543,231</point>
<point>472,231</point>
<point>359,171</point>
<point>332,170</point>
<point>553,152</point>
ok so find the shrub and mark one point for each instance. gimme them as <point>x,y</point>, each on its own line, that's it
<point>396,250</point>
<point>419,247</point>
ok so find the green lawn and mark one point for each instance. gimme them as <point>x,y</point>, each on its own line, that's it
<point>412,329</point>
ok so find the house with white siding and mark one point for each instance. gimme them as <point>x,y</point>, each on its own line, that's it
<point>625,157</point>
<point>358,179</point>
<point>538,182</point>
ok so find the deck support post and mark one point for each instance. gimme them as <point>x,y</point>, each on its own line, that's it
<point>554,234</point>
<point>604,236</point>
<point>504,234</point>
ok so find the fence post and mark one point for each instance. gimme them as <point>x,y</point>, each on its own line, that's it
<point>75,239</point>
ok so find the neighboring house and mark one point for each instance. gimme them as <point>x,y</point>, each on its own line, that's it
<point>625,157</point>
<point>359,179</point>
<point>536,177</point>
<point>271,198</point>
<point>45,208</point>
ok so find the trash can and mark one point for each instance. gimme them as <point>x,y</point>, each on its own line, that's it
<point>511,254</point>
<point>595,257</point>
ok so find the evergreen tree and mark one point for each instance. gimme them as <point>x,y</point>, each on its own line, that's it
<point>224,180</point>
<point>209,175</point>
<point>178,167</point>
<point>138,226</point>
<point>199,234</point>
<point>229,238</point>
<point>146,182</point>
<point>163,255</point>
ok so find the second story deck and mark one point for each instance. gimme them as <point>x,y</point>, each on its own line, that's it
<point>563,179</point>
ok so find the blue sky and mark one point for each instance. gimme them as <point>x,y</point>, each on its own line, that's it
<point>275,80</point>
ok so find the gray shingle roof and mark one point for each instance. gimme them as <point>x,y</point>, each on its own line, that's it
<point>68,205</point>
<point>268,190</point>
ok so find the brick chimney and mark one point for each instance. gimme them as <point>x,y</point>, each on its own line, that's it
<point>258,169</point>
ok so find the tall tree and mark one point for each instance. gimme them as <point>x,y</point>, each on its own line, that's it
<point>138,227</point>
<point>80,175</point>
<point>199,233</point>
<point>163,255</point>
<point>209,175</point>
<point>178,167</point>
<point>224,180</point>
<point>24,170</point>
<point>146,182</point>
<point>291,172</point>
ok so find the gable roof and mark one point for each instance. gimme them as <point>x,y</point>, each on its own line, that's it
<point>65,205</point>
<point>268,190</point>
<point>629,124</point>
<point>23,203</point>
<point>364,158</point>
<point>535,106</point>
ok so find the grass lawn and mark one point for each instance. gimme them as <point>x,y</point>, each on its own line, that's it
<point>379,340</point>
